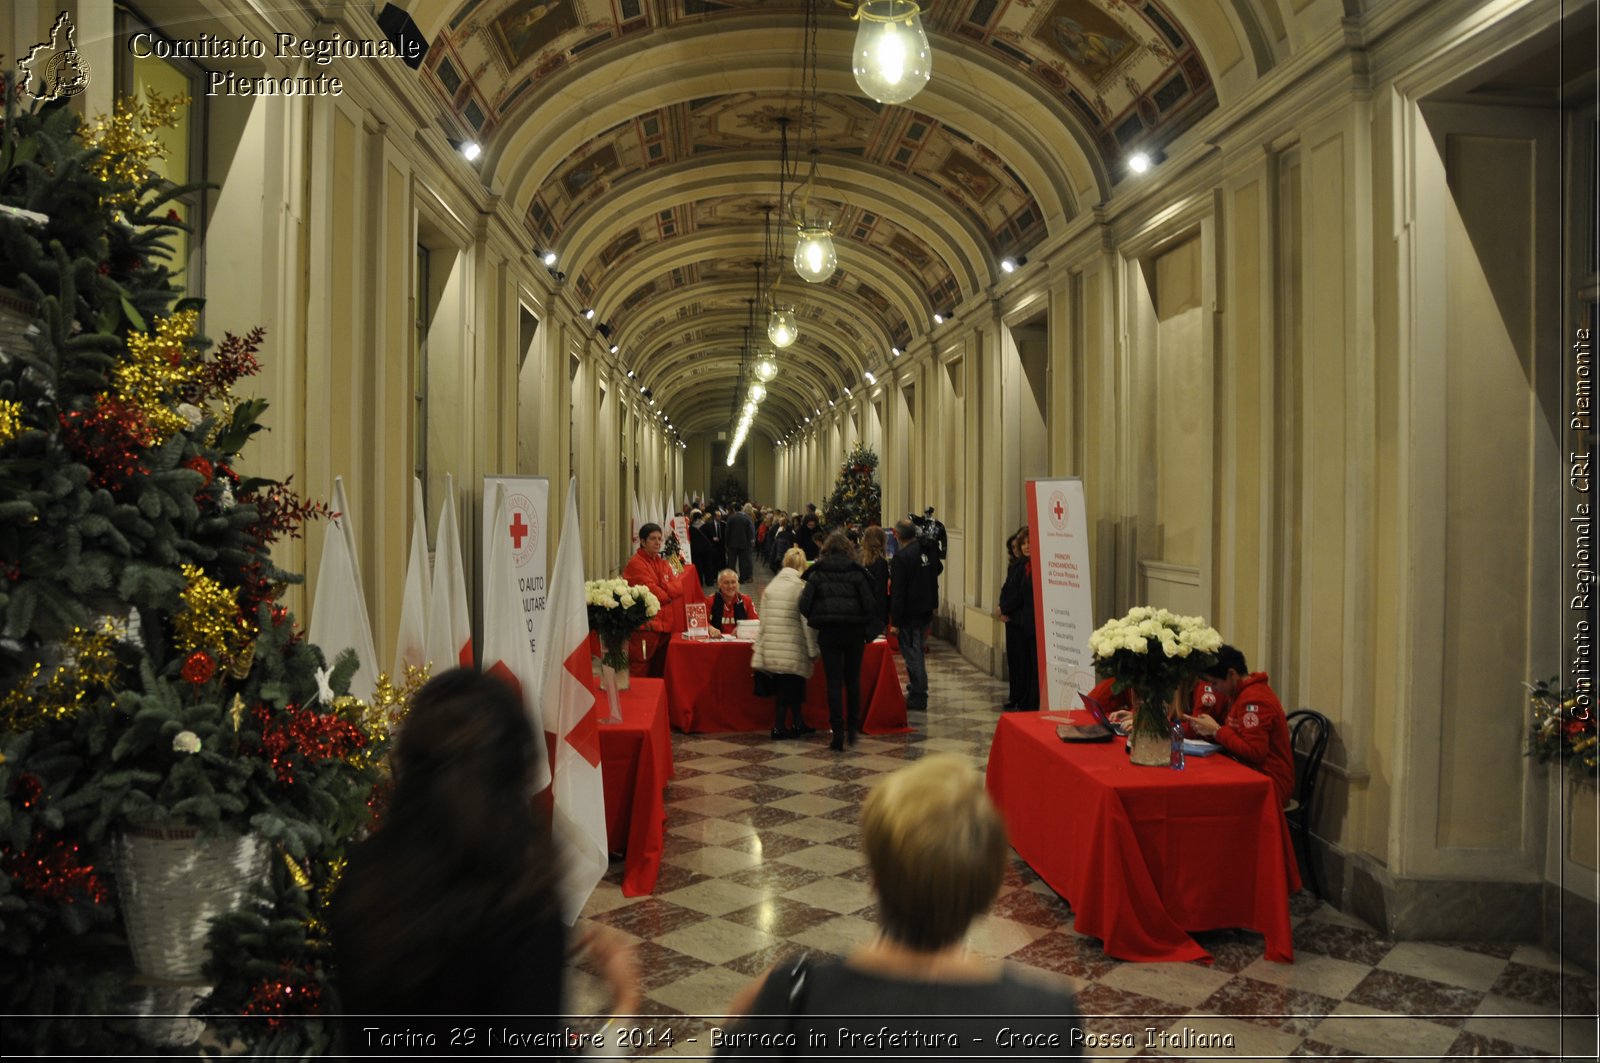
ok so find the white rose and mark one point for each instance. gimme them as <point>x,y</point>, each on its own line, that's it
<point>190,413</point>
<point>652,604</point>
<point>1136,644</point>
<point>186,742</point>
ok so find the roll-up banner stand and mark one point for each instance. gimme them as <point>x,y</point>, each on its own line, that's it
<point>528,525</point>
<point>1063,609</point>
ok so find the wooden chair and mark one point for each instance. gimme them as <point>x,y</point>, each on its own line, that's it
<point>1308,738</point>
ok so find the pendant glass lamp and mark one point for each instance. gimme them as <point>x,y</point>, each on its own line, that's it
<point>814,258</point>
<point>892,59</point>
<point>758,391</point>
<point>766,369</point>
<point>782,328</point>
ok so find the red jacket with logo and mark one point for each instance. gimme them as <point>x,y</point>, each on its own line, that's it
<point>1206,700</point>
<point>655,573</point>
<point>1257,733</point>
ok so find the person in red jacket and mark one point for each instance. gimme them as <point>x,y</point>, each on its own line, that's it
<point>1256,731</point>
<point>1207,699</point>
<point>647,655</point>
<point>727,607</point>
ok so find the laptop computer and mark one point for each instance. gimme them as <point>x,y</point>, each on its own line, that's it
<point>1102,730</point>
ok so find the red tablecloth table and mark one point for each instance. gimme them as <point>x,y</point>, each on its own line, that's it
<point>635,764</point>
<point>1145,855</point>
<point>710,689</point>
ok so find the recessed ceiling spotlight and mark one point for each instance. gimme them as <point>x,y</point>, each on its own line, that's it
<point>894,352</point>
<point>870,378</point>
<point>938,319</point>
<point>1139,162</point>
<point>470,150</point>
<point>615,348</point>
<point>550,258</point>
<point>1008,264</point>
<point>588,313</point>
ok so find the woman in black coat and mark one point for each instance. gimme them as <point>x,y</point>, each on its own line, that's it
<point>1016,609</point>
<point>838,602</point>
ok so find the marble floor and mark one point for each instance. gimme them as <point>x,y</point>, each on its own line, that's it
<point>762,861</point>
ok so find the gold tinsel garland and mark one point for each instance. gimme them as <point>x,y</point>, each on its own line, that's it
<point>127,142</point>
<point>10,420</point>
<point>88,662</point>
<point>209,620</point>
<point>157,369</point>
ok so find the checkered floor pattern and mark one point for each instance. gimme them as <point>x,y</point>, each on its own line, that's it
<point>762,862</point>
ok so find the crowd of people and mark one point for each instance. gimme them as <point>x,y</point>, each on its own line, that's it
<point>450,909</point>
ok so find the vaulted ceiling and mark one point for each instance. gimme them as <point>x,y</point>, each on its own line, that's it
<point>640,141</point>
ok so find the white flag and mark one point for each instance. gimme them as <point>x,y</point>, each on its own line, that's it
<point>449,616</point>
<point>339,614</point>
<point>638,519</point>
<point>507,653</point>
<point>411,646</point>
<point>578,818</point>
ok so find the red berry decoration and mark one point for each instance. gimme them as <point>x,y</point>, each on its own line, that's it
<point>199,667</point>
<point>201,466</point>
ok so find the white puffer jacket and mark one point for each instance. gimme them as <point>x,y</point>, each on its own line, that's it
<point>785,644</point>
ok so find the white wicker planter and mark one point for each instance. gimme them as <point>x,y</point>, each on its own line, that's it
<point>173,883</point>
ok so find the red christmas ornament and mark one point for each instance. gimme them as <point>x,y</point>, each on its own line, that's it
<point>294,991</point>
<point>201,466</point>
<point>198,667</point>
<point>53,871</point>
<point>110,440</point>
<point>26,790</point>
<point>304,733</point>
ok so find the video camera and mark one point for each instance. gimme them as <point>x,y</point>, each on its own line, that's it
<point>930,534</point>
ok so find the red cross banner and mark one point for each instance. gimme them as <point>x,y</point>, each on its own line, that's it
<point>526,531</point>
<point>1063,609</point>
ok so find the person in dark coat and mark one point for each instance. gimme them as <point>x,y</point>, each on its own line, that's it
<point>877,566</point>
<point>782,540</point>
<point>808,538</point>
<point>700,550</point>
<point>739,539</point>
<point>452,908</point>
<point>838,602</point>
<point>1016,610</point>
<point>912,594</point>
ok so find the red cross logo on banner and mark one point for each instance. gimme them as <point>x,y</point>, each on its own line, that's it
<point>519,530</point>
<point>1058,510</point>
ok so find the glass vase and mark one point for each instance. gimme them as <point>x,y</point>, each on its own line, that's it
<point>1150,733</point>
<point>614,660</point>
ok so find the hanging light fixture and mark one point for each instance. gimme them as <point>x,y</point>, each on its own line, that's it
<point>892,58</point>
<point>814,256</point>
<point>766,369</point>
<point>782,326</point>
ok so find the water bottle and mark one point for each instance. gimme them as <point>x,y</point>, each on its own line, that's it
<point>1177,746</point>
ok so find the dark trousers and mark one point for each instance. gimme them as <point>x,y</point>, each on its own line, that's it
<point>1022,665</point>
<point>791,691</point>
<point>841,661</point>
<point>742,562</point>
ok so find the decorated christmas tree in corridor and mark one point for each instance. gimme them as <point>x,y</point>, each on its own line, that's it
<point>857,498</point>
<point>149,678</point>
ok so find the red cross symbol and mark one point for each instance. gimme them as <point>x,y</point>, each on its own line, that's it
<point>1059,509</point>
<point>519,530</point>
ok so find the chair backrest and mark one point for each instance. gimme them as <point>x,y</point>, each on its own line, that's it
<point>1308,738</point>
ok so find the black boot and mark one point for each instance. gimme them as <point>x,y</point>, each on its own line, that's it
<point>837,745</point>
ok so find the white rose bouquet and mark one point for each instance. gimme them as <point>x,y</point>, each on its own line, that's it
<point>616,610</point>
<point>1156,653</point>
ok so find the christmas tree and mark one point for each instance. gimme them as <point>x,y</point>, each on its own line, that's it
<point>856,498</point>
<point>149,678</point>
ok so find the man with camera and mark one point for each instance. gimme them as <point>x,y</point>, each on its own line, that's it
<point>913,593</point>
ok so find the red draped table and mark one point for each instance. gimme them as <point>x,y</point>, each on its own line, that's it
<point>635,764</point>
<point>710,689</point>
<point>692,592</point>
<point>1145,855</point>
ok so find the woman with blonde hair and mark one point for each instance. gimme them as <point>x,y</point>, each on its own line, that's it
<point>875,560</point>
<point>936,848</point>
<point>786,645</point>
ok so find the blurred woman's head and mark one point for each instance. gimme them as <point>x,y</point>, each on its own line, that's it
<point>466,737</point>
<point>873,544</point>
<point>937,850</point>
<point>838,543</point>
<point>794,558</point>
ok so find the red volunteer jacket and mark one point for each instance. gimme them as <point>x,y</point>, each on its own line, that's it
<point>1257,733</point>
<point>655,573</point>
<point>728,619</point>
